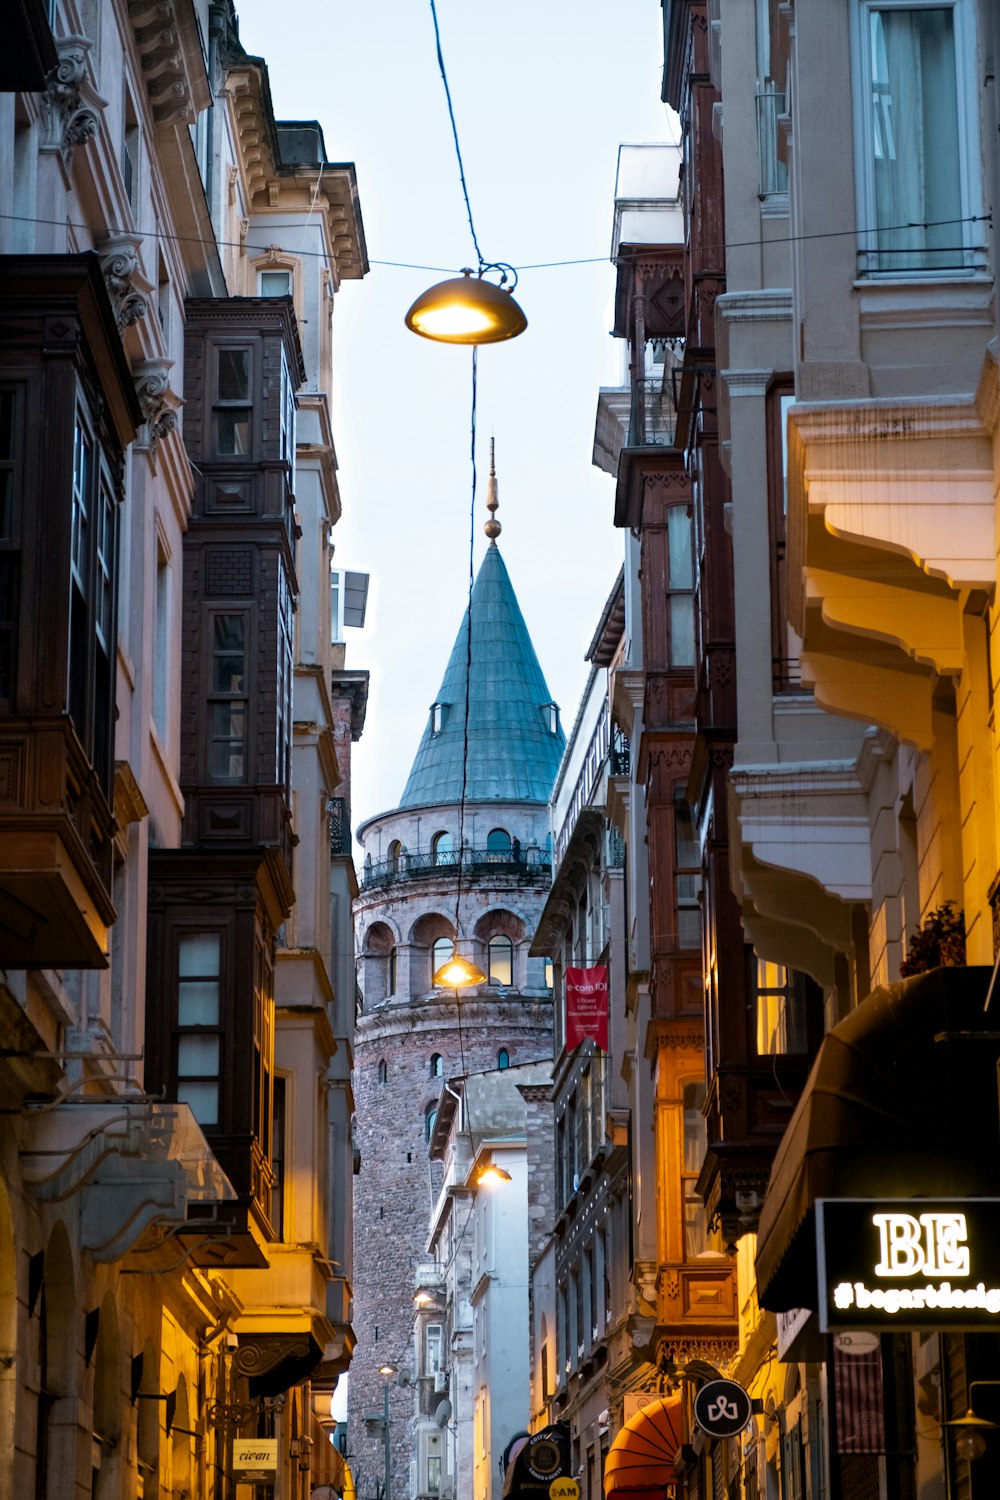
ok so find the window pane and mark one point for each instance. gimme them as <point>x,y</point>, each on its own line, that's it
<point>228,720</point>
<point>781,1024</point>
<point>198,955</point>
<point>228,654</point>
<point>915,138</point>
<point>681,630</point>
<point>203,1099</point>
<point>198,1057</point>
<point>227,761</point>
<point>275,283</point>
<point>443,848</point>
<point>689,927</point>
<point>234,374</point>
<point>443,949</point>
<point>679,546</point>
<point>232,431</point>
<point>198,1002</point>
<point>695,1127</point>
<point>501,961</point>
<point>498,841</point>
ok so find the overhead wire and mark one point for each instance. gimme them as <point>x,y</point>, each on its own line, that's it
<point>539,265</point>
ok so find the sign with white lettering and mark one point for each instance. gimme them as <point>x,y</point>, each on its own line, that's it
<point>925,1263</point>
<point>255,1460</point>
<point>722,1408</point>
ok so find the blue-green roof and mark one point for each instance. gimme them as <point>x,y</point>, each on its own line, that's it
<point>513,754</point>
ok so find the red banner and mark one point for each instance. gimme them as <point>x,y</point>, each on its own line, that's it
<point>587,1007</point>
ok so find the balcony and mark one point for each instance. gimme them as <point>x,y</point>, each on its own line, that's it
<point>55,850</point>
<point>339,818</point>
<point>653,413</point>
<point>525,865</point>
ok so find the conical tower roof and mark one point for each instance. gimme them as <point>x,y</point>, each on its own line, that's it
<point>515,741</point>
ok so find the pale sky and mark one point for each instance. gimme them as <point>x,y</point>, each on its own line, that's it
<point>544,92</point>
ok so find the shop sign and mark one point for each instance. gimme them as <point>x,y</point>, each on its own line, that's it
<point>255,1460</point>
<point>587,1006</point>
<point>722,1408</point>
<point>798,1335</point>
<point>564,1489</point>
<point>634,1402</point>
<point>908,1265</point>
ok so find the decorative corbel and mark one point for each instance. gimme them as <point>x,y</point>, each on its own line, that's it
<point>159,403</point>
<point>73,105</point>
<point>119,257</point>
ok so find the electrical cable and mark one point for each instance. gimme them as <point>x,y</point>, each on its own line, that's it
<point>539,265</point>
<point>454,133</point>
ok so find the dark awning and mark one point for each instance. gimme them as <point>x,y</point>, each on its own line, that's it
<point>901,1103</point>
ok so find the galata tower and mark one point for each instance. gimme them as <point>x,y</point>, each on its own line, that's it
<point>463,863</point>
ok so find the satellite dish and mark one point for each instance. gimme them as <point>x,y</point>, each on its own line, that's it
<point>404,1378</point>
<point>442,1415</point>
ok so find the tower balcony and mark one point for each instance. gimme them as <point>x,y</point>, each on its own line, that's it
<point>527,866</point>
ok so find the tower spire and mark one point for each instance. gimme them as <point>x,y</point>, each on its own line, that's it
<point>492,527</point>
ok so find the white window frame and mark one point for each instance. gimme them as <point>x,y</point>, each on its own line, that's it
<point>970,156</point>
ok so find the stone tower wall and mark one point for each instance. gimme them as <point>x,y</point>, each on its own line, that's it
<point>398,1183</point>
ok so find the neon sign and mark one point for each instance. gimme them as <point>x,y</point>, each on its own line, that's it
<point>924,1246</point>
<point>922,1264</point>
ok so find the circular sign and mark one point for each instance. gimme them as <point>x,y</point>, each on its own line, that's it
<point>564,1489</point>
<point>542,1458</point>
<point>722,1408</point>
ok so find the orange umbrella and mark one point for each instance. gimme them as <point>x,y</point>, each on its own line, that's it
<point>642,1455</point>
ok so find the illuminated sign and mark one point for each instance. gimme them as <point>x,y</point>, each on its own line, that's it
<point>255,1460</point>
<point>925,1263</point>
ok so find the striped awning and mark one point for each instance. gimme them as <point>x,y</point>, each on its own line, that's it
<point>642,1455</point>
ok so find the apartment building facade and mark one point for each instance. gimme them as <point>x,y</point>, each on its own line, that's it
<point>172,1234</point>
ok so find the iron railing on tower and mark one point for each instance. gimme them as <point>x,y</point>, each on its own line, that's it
<point>530,864</point>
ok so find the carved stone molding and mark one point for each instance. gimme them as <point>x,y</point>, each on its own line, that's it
<point>119,257</point>
<point>73,105</point>
<point>166,40</point>
<point>257,1356</point>
<point>159,403</point>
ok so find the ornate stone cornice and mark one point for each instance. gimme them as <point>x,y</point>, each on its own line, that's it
<point>170,56</point>
<point>74,106</point>
<point>253,127</point>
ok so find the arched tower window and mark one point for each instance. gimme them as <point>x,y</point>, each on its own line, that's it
<point>498,841</point>
<point>500,956</point>
<point>383,1070</point>
<point>503,1058</point>
<point>395,856</point>
<point>393,971</point>
<point>442,846</point>
<point>430,1120</point>
<point>444,948</point>
<point>437,1065</point>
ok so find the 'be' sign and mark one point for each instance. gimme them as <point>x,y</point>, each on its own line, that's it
<point>722,1408</point>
